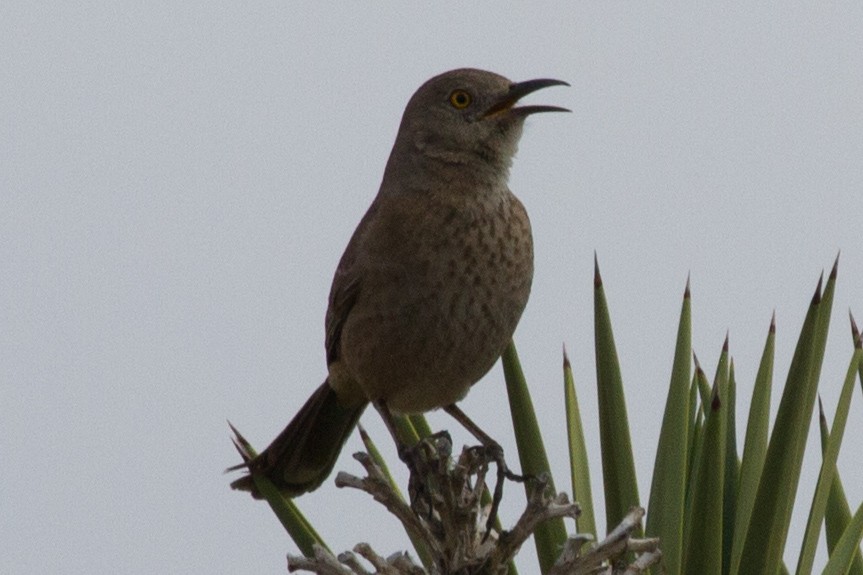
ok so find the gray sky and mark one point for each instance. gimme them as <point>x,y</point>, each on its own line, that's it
<point>179,180</point>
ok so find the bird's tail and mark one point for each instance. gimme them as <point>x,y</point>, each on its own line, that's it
<point>303,455</point>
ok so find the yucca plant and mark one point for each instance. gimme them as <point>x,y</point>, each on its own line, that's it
<point>711,510</point>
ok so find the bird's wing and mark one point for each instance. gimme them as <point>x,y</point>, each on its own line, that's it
<point>346,287</point>
<point>343,296</point>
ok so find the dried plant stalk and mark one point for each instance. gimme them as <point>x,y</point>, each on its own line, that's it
<point>448,518</point>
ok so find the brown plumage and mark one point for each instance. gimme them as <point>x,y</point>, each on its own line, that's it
<point>434,280</point>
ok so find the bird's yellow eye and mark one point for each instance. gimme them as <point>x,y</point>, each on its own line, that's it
<point>459,99</point>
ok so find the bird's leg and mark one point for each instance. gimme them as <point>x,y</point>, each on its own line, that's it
<point>405,451</point>
<point>412,457</point>
<point>390,422</point>
<point>493,447</point>
<point>495,451</point>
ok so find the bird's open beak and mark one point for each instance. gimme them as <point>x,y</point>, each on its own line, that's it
<point>520,90</point>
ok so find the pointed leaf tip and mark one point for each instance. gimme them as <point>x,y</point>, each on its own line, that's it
<point>243,454</point>
<point>725,344</point>
<point>715,403</point>
<point>237,435</point>
<point>243,447</point>
<point>835,266</point>
<point>597,279</point>
<point>821,410</point>
<point>697,363</point>
<point>566,364</point>
<point>773,322</point>
<point>816,299</point>
<point>855,332</point>
<point>686,292</point>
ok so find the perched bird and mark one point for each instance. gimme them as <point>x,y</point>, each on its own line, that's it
<point>433,282</point>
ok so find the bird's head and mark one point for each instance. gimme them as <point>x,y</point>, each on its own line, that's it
<point>469,116</point>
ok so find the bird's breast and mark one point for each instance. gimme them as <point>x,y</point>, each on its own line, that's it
<point>442,294</point>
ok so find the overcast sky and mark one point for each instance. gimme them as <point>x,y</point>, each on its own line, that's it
<point>178,181</point>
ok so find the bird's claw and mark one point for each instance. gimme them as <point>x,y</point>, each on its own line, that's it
<point>417,458</point>
<point>494,452</point>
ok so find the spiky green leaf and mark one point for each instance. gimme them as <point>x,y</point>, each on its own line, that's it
<point>703,548</point>
<point>618,466</point>
<point>838,514</point>
<point>732,469</point>
<point>754,447</point>
<point>828,470</point>
<point>578,463</point>
<point>550,535</point>
<point>771,515</point>
<point>668,488</point>
<point>847,546</point>
<point>286,511</point>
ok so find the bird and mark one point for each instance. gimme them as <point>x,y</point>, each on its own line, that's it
<point>433,282</point>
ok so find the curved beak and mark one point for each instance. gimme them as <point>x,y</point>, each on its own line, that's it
<point>521,89</point>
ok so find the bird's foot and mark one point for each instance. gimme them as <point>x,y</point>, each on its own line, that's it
<point>429,457</point>
<point>494,452</point>
<point>415,455</point>
<point>424,460</point>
